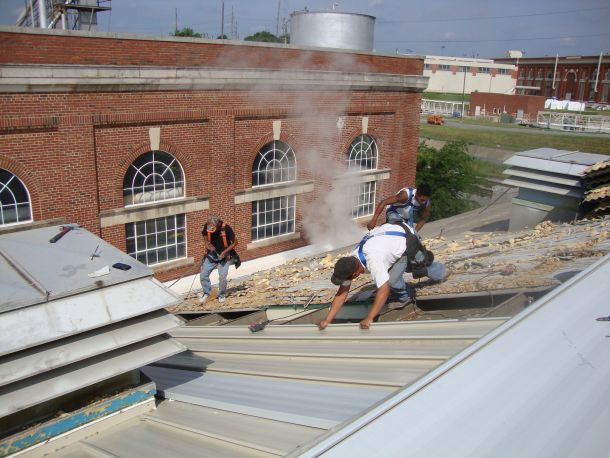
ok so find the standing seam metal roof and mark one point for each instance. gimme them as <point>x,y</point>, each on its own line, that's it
<point>280,388</point>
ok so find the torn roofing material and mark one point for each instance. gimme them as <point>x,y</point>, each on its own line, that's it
<point>478,262</point>
<point>85,330</point>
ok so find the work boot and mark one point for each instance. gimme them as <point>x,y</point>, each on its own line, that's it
<point>400,303</point>
<point>202,297</point>
<point>221,299</point>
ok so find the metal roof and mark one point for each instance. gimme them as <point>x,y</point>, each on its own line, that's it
<point>535,386</point>
<point>242,394</point>
<point>33,271</point>
<point>551,171</point>
<point>572,157</point>
<point>61,329</point>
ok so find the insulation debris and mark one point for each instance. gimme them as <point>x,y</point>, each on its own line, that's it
<point>477,261</point>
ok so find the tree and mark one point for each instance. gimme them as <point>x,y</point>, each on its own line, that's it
<point>264,36</point>
<point>451,174</point>
<point>186,32</point>
<point>222,37</point>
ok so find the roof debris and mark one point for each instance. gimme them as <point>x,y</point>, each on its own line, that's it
<point>477,262</point>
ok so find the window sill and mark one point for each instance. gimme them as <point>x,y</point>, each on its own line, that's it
<point>173,264</point>
<point>365,176</point>
<point>31,225</point>
<point>151,211</point>
<point>243,196</point>
<point>273,240</point>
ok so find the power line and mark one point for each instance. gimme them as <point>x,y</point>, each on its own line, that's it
<point>484,18</point>
<point>493,40</point>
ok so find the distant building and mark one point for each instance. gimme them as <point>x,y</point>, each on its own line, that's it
<point>458,75</point>
<point>576,77</point>
<point>521,107</point>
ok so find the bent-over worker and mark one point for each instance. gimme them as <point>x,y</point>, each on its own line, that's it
<point>385,252</point>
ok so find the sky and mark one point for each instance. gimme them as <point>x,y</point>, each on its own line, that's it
<point>479,28</point>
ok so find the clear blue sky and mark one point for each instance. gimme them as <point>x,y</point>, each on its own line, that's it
<point>487,28</point>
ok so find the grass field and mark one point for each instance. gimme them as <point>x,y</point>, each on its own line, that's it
<point>488,169</point>
<point>445,96</point>
<point>519,140</point>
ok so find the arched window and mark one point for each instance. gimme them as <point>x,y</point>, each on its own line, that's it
<point>274,163</point>
<point>15,204</point>
<point>362,155</point>
<point>153,177</point>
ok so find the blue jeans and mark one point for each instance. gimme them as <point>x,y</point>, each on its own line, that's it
<point>207,267</point>
<point>399,288</point>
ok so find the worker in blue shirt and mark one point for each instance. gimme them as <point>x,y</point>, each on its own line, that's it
<point>403,205</point>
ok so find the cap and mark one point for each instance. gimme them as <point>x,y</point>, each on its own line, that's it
<point>344,269</point>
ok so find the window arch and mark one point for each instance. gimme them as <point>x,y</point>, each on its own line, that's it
<point>15,206</point>
<point>274,163</point>
<point>362,154</point>
<point>153,177</point>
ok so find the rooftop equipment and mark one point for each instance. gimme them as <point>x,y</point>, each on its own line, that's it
<point>68,320</point>
<point>332,29</point>
<point>549,182</point>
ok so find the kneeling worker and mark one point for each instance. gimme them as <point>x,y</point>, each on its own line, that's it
<point>385,252</point>
<point>402,205</point>
<point>220,241</point>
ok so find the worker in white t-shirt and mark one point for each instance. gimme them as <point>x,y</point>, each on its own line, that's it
<point>385,252</point>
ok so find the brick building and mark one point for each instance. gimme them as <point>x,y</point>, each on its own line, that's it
<point>140,139</point>
<point>518,106</point>
<point>576,78</point>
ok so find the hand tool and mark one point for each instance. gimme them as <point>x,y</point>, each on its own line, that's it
<point>63,231</point>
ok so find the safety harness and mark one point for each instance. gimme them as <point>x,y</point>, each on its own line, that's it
<point>413,245</point>
<point>213,256</point>
<point>223,234</point>
<point>394,207</point>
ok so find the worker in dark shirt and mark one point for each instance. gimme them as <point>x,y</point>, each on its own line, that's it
<point>220,241</point>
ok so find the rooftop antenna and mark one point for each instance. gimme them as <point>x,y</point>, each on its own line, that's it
<point>222,20</point>
<point>335,5</point>
<point>277,21</point>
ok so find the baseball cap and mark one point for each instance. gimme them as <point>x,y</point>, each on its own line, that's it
<point>344,269</point>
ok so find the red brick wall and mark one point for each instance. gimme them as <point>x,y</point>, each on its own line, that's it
<point>72,149</point>
<point>25,48</point>
<point>530,104</point>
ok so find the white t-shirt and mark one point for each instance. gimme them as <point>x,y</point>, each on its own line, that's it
<point>382,251</point>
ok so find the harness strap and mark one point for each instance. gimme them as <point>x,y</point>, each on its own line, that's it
<point>370,236</point>
<point>223,234</point>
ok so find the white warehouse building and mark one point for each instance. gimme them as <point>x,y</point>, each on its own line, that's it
<point>465,75</point>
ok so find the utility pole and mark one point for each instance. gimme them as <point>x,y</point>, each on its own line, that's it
<point>463,91</point>
<point>175,21</point>
<point>232,24</point>
<point>277,22</point>
<point>222,21</point>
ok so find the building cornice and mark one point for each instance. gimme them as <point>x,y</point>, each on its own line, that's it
<point>35,78</point>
